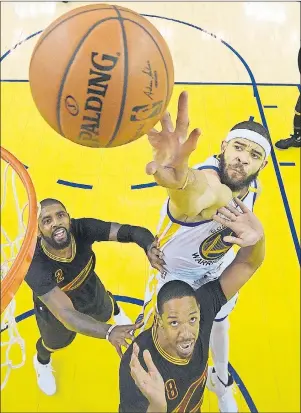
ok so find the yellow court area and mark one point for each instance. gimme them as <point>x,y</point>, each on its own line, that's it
<point>111,184</point>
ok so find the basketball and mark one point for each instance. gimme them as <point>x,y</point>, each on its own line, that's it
<point>101,75</point>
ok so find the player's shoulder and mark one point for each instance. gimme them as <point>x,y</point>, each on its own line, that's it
<point>39,257</point>
<point>211,163</point>
<point>40,264</point>
<point>255,190</point>
<point>144,341</point>
<point>257,186</point>
<point>79,226</point>
<point>210,293</point>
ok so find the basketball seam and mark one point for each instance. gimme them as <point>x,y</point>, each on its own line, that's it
<point>162,55</point>
<point>58,105</point>
<point>40,41</point>
<point>125,78</point>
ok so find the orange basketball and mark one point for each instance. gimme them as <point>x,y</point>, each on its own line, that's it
<point>101,75</point>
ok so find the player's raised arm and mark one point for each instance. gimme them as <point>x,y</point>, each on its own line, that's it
<point>190,191</point>
<point>98,230</point>
<point>250,237</point>
<point>149,382</point>
<point>142,237</point>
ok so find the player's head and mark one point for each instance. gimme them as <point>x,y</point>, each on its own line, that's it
<point>178,318</point>
<point>244,154</point>
<point>54,223</point>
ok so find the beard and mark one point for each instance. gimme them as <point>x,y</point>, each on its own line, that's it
<point>58,245</point>
<point>235,184</point>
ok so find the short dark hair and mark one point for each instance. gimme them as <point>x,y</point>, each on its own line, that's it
<point>255,127</point>
<point>50,201</point>
<point>173,289</point>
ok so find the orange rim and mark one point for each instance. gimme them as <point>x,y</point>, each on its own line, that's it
<point>12,281</point>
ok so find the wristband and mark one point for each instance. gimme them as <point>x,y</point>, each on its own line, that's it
<point>109,331</point>
<point>141,236</point>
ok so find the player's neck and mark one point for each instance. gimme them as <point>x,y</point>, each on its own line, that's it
<point>63,253</point>
<point>241,193</point>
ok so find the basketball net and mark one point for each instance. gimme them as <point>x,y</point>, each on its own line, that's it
<point>13,235</point>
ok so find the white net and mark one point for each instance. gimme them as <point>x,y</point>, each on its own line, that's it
<point>13,195</point>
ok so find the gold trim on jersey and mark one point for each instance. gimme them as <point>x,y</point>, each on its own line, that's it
<point>183,405</point>
<point>52,349</point>
<point>248,191</point>
<point>197,407</point>
<point>55,257</point>
<point>167,230</point>
<point>168,357</point>
<point>80,278</point>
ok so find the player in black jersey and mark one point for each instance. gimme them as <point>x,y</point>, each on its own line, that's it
<point>68,296</point>
<point>165,369</point>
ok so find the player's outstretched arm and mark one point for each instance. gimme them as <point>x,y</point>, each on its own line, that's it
<point>62,308</point>
<point>250,237</point>
<point>142,237</point>
<point>190,191</point>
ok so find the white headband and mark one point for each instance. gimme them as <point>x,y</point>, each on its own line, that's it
<point>251,136</point>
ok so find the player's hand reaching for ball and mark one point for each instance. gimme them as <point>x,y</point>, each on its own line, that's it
<point>120,334</point>
<point>172,148</point>
<point>149,382</point>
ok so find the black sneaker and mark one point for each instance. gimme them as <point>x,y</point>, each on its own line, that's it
<point>293,142</point>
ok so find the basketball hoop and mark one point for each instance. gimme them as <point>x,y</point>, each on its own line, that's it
<point>18,240</point>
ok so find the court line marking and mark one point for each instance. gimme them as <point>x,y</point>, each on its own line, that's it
<point>259,104</point>
<point>74,184</point>
<point>19,44</point>
<point>192,83</point>
<point>146,185</point>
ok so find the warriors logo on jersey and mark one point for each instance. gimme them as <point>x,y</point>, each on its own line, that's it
<point>213,248</point>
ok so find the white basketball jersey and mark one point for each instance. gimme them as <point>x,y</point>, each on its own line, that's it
<point>195,252</point>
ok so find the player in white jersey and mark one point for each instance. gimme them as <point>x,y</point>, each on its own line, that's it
<point>196,248</point>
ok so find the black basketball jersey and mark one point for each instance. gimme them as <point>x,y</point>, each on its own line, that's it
<point>75,276</point>
<point>184,379</point>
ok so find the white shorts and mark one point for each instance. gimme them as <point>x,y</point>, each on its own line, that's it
<point>226,308</point>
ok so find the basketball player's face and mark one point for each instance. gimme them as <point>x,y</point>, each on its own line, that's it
<point>180,322</point>
<point>240,162</point>
<point>54,226</point>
